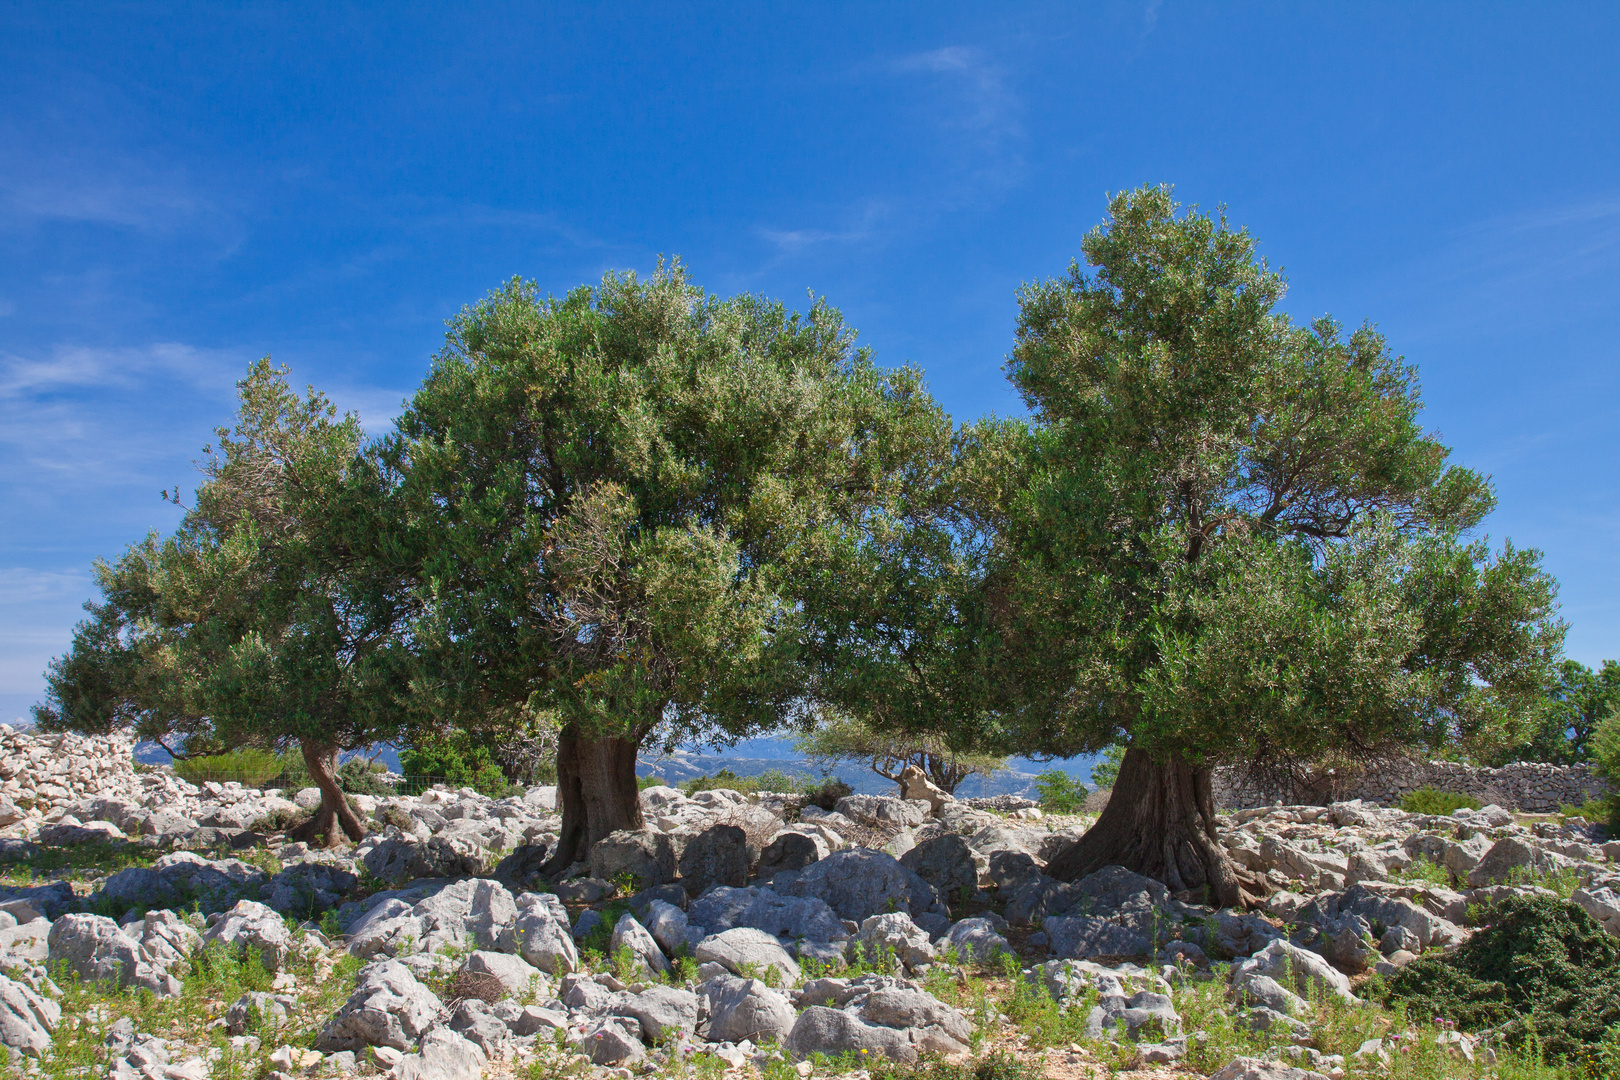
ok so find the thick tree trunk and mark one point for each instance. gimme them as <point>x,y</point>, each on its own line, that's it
<point>1160,823</point>
<point>321,761</point>
<point>596,790</point>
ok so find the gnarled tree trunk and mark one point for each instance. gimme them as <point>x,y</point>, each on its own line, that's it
<point>597,793</point>
<point>321,761</point>
<point>1160,823</point>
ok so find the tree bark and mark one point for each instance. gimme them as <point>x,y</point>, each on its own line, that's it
<point>321,761</point>
<point>596,790</point>
<point>1160,823</point>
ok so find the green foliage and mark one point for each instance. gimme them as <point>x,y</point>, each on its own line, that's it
<point>455,761</point>
<point>844,738</point>
<point>827,793</point>
<point>245,765</point>
<point>253,626</point>
<point>1606,756</point>
<point>1427,871</point>
<point>723,779</point>
<point>774,780</point>
<point>1542,968</point>
<point>1431,800</point>
<point>1106,771</point>
<point>1059,792</point>
<point>630,506</point>
<point>1227,536</point>
<point>1562,729</point>
<point>651,780</point>
<point>357,776</point>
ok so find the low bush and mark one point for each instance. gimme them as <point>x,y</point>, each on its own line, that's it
<point>455,762</point>
<point>245,766</point>
<point>827,793</point>
<point>1059,792</point>
<point>357,776</point>
<point>1430,800</point>
<point>1541,969</point>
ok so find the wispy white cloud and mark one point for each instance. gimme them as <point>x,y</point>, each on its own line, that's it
<point>794,241</point>
<point>25,585</point>
<point>70,367</point>
<point>1150,16</point>
<point>979,101</point>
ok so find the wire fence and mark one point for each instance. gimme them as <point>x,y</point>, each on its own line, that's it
<point>379,785</point>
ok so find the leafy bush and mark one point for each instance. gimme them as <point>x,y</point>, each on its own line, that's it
<point>827,793</point>
<point>245,766</point>
<point>1430,800</point>
<point>454,762</point>
<point>725,778</point>
<point>650,780</point>
<point>1059,792</point>
<point>294,775</point>
<point>1541,968</point>
<point>357,776</point>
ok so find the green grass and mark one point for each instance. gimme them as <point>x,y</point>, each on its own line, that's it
<point>1425,871</point>
<point>1430,800</point>
<point>245,766</point>
<point>212,980</point>
<point>75,862</point>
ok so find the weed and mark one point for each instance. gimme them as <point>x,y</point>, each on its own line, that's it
<point>1427,871</point>
<point>1431,800</point>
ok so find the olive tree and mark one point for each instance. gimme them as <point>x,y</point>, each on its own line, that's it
<point>622,505</point>
<point>260,622</point>
<point>887,752</point>
<point>1223,538</point>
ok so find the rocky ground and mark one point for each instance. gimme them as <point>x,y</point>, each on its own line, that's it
<point>149,928</point>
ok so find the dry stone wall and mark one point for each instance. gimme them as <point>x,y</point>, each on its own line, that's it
<point>41,773</point>
<point>1526,786</point>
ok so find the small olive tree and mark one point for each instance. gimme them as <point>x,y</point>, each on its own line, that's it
<point>887,753</point>
<point>259,623</point>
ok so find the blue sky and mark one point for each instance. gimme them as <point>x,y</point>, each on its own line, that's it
<point>186,188</point>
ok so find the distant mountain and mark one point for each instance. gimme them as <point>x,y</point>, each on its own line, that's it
<point>754,756</point>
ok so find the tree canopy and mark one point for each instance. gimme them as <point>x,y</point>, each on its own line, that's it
<point>1223,537</point>
<point>623,505</point>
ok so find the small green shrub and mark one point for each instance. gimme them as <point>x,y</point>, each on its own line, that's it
<point>1541,969</point>
<point>650,780</point>
<point>1001,1065</point>
<point>725,778</point>
<point>245,766</point>
<point>827,793</point>
<point>1427,871</point>
<point>1059,792</point>
<point>1430,800</point>
<point>456,762</point>
<point>357,776</point>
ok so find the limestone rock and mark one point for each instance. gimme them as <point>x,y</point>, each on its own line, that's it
<point>745,1009</point>
<point>251,926</point>
<point>916,787</point>
<point>388,1008</point>
<point>744,950</point>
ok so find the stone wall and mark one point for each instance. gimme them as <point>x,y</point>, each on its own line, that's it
<point>1528,787</point>
<point>41,773</point>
